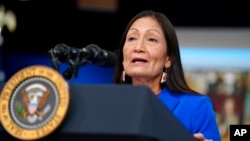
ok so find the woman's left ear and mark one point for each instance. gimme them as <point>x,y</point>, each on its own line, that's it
<point>167,62</point>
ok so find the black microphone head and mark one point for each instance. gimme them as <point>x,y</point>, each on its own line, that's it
<point>94,54</point>
<point>108,59</point>
<point>91,52</point>
<point>58,54</point>
<point>99,56</point>
<point>62,51</point>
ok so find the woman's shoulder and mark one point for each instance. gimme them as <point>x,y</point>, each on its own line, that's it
<point>197,100</point>
<point>190,97</point>
<point>195,96</point>
<point>198,96</point>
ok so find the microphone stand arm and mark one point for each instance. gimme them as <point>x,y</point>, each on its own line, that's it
<point>53,59</point>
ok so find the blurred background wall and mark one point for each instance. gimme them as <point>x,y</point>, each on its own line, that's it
<point>213,35</point>
<point>41,24</point>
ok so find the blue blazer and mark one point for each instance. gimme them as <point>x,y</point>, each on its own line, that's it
<point>196,112</point>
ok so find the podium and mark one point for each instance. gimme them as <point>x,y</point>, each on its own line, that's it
<point>115,113</point>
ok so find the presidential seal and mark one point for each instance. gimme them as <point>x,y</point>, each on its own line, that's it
<point>34,102</point>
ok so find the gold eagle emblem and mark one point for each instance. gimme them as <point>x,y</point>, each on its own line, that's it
<point>34,98</point>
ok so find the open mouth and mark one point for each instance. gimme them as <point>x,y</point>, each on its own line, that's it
<point>139,60</point>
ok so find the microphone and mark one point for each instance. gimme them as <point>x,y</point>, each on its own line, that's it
<point>62,53</point>
<point>101,57</point>
<point>76,57</point>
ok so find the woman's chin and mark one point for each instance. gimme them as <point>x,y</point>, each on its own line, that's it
<point>138,74</point>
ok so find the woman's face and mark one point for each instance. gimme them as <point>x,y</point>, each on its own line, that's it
<point>145,50</point>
